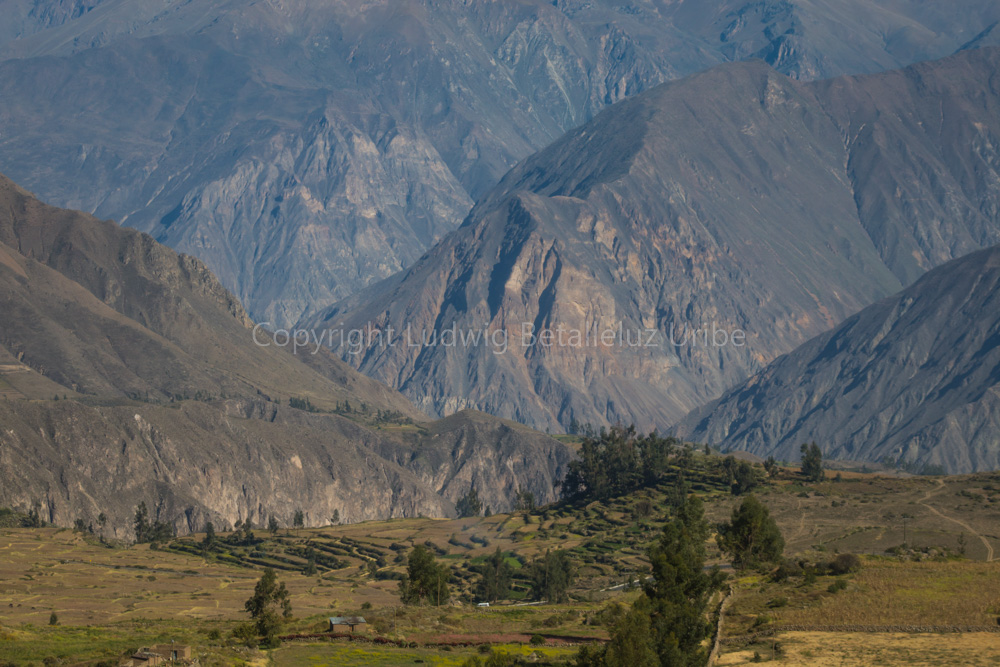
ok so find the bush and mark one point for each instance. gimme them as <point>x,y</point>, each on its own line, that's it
<point>246,634</point>
<point>777,602</point>
<point>845,564</point>
<point>536,640</point>
<point>838,585</point>
<point>785,570</point>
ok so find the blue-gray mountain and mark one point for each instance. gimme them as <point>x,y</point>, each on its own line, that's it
<point>913,380</point>
<point>736,199</point>
<point>304,149</point>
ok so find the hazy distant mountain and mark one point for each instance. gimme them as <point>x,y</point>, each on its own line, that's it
<point>912,380</point>
<point>736,199</point>
<point>304,149</point>
<point>128,373</point>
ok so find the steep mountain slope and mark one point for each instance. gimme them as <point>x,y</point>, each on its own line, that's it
<point>128,373</point>
<point>107,311</point>
<point>736,201</point>
<point>912,380</point>
<point>304,149</point>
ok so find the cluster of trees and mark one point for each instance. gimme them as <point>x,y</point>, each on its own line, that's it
<point>751,537</point>
<point>469,504</point>
<point>150,531</point>
<point>740,475</point>
<point>616,462</point>
<point>496,577</point>
<point>425,579</point>
<point>551,575</point>
<point>668,624</point>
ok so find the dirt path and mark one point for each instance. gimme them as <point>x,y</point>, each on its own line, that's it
<point>938,489</point>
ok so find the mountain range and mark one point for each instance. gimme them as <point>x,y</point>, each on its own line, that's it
<point>306,149</point>
<point>129,374</point>
<point>737,204</point>
<point>912,381</point>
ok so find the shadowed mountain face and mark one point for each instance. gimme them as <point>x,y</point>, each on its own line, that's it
<point>304,149</point>
<point>912,380</point>
<point>736,202</point>
<point>128,373</point>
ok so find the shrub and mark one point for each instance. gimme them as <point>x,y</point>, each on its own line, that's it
<point>246,633</point>
<point>777,602</point>
<point>838,585</point>
<point>845,564</point>
<point>536,640</point>
<point>785,570</point>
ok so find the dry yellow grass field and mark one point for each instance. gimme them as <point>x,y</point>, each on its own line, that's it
<point>847,649</point>
<point>48,569</point>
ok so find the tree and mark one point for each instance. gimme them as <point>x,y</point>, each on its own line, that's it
<point>469,504</point>
<point>335,519</point>
<point>299,520</point>
<point>551,576</point>
<point>681,587</point>
<point>771,466</point>
<point>424,579</point>
<point>53,619</point>
<point>496,574</point>
<point>751,537</point>
<point>141,521</point>
<point>812,462</point>
<point>102,519</point>
<point>310,569</point>
<point>632,643</point>
<point>209,540</point>
<point>268,606</point>
<point>272,525</point>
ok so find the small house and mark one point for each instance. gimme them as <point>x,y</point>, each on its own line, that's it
<point>160,654</point>
<point>348,624</point>
<point>173,652</point>
<point>145,657</point>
